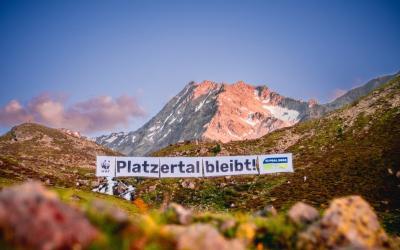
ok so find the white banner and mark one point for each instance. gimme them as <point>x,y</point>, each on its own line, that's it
<point>184,167</point>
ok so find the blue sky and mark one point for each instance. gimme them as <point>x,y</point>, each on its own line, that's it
<point>79,51</point>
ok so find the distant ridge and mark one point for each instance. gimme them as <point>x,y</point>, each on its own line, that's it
<point>359,92</point>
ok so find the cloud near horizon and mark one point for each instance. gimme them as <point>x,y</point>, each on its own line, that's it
<point>92,115</point>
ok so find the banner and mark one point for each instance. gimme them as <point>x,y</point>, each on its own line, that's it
<point>185,167</point>
<point>275,163</point>
<point>229,165</point>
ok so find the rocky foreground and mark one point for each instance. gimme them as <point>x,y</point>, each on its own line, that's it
<point>32,217</point>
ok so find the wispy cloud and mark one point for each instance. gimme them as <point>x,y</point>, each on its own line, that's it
<point>92,115</point>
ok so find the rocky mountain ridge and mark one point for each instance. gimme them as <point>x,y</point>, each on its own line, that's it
<point>224,112</point>
<point>214,111</point>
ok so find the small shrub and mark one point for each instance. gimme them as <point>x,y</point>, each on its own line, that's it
<point>216,149</point>
<point>339,132</point>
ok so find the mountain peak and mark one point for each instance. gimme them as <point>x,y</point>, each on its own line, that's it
<point>204,87</point>
<point>242,83</point>
<point>224,112</point>
<point>213,111</point>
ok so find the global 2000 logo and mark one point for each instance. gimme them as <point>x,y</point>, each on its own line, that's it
<point>105,165</point>
<point>275,162</point>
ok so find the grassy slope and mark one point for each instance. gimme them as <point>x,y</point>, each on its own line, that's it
<point>38,152</point>
<point>348,152</point>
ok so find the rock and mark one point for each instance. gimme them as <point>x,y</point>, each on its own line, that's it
<point>33,218</point>
<point>119,188</point>
<point>95,183</point>
<point>203,151</point>
<point>83,182</point>
<point>107,210</point>
<point>152,188</point>
<point>302,213</point>
<point>75,198</point>
<point>267,211</point>
<point>178,214</point>
<point>227,225</point>
<point>385,202</point>
<point>349,223</point>
<point>188,184</point>
<point>201,236</point>
<point>223,152</point>
<point>398,174</point>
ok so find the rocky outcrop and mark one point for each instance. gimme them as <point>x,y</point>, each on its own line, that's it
<point>267,211</point>
<point>349,223</point>
<point>201,236</point>
<point>302,214</point>
<point>33,218</point>
<point>178,214</point>
<point>76,134</point>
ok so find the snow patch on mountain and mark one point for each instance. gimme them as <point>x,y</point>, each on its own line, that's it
<point>283,114</point>
<point>111,139</point>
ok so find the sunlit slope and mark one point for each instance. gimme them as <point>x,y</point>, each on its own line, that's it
<point>354,150</point>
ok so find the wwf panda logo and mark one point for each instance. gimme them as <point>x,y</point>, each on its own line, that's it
<point>105,164</point>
